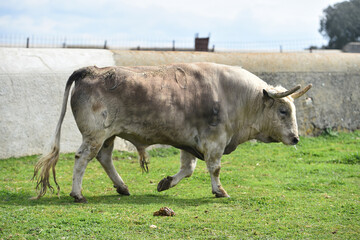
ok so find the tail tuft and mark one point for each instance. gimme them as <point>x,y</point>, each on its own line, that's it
<point>42,172</point>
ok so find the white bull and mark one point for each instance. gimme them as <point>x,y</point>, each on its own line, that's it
<point>204,109</point>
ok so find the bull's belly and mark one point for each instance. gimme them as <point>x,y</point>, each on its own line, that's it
<point>185,139</point>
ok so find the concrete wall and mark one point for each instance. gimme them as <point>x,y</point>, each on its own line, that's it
<point>33,81</point>
<point>32,87</point>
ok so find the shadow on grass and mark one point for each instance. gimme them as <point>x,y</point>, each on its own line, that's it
<point>23,199</point>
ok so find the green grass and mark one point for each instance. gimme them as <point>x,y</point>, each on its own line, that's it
<point>277,192</point>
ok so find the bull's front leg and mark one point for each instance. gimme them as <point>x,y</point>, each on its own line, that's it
<point>213,163</point>
<point>188,164</point>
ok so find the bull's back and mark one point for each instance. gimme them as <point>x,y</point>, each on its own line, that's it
<point>151,104</point>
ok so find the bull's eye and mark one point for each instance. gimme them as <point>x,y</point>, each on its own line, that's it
<point>283,111</point>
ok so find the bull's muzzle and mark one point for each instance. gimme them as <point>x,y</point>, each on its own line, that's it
<point>295,140</point>
<point>291,139</point>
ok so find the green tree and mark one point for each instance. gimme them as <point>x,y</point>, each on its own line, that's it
<point>341,23</point>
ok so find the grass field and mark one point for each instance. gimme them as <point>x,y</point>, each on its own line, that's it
<point>277,192</point>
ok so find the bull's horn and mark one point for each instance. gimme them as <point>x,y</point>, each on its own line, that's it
<point>302,92</point>
<point>284,94</point>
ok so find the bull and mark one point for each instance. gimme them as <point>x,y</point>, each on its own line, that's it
<point>204,109</point>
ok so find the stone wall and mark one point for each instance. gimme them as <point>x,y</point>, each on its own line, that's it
<point>33,82</point>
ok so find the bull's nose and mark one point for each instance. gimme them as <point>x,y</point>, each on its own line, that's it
<point>295,140</point>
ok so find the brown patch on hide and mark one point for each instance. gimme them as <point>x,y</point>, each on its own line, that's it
<point>214,118</point>
<point>96,106</point>
<point>217,172</point>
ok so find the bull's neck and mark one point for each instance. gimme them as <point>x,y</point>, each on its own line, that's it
<point>250,117</point>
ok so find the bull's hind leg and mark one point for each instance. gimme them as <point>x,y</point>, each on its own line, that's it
<point>83,156</point>
<point>188,164</point>
<point>105,158</point>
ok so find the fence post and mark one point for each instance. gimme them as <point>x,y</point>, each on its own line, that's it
<point>173,48</point>
<point>27,42</point>
<point>105,44</point>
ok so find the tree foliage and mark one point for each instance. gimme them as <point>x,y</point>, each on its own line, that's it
<point>341,23</point>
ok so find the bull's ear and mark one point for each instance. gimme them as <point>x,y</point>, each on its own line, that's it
<point>267,99</point>
<point>266,94</point>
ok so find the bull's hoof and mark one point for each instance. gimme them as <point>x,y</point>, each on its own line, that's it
<point>164,184</point>
<point>78,199</point>
<point>221,193</point>
<point>122,190</point>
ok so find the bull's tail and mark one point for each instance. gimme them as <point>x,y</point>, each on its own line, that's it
<point>48,162</point>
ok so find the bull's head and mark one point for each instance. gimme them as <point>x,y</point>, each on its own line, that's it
<point>279,116</point>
